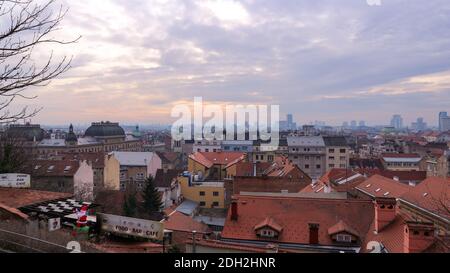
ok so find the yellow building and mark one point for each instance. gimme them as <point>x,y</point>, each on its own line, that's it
<point>207,194</point>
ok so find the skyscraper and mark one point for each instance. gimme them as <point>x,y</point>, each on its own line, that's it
<point>397,122</point>
<point>419,125</point>
<point>443,121</point>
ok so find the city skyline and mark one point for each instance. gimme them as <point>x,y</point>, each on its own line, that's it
<point>243,52</point>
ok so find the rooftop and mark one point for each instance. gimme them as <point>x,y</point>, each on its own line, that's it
<point>17,198</point>
<point>307,141</point>
<point>136,159</point>
<point>380,186</point>
<point>295,215</point>
<point>219,158</point>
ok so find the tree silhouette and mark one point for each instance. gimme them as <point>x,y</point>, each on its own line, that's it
<point>151,196</point>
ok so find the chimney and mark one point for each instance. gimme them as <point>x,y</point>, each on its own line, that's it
<point>385,212</point>
<point>254,169</point>
<point>313,234</point>
<point>418,237</point>
<point>234,209</point>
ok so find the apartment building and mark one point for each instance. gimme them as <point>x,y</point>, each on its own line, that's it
<point>309,153</point>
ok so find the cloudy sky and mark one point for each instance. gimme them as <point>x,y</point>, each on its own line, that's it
<point>324,60</point>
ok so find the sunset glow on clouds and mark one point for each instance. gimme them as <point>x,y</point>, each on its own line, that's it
<point>322,60</point>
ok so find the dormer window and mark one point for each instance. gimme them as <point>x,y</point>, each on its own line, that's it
<point>268,229</point>
<point>344,238</point>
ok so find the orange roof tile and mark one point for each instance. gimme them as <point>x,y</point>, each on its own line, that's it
<point>294,215</point>
<point>269,222</point>
<point>177,221</point>
<point>17,198</point>
<point>219,158</point>
<point>433,194</point>
<point>380,186</point>
<point>342,226</point>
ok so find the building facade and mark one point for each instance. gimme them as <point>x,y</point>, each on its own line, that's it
<point>309,153</point>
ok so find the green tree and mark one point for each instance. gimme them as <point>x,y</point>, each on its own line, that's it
<point>152,198</point>
<point>130,205</point>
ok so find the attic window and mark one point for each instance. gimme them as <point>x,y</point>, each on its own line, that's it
<point>368,186</point>
<point>344,238</point>
<point>378,190</point>
<point>387,193</point>
<point>51,168</point>
<point>425,194</point>
<point>67,168</point>
<point>37,167</point>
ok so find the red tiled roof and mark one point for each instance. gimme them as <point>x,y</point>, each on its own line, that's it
<point>247,168</point>
<point>433,194</point>
<point>335,179</point>
<point>402,175</point>
<point>269,222</point>
<point>342,226</point>
<point>391,237</point>
<point>45,168</point>
<point>380,186</point>
<point>294,215</point>
<point>97,160</point>
<point>218,158</point>
<point>17,198</point>
<point>269,184</point>
<point>179,222</point>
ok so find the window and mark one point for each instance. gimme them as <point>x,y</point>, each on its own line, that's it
<point>207,150</point>
<point>202,204</point>
<point>343,158</point>
<point>331,166</point>
<point>216,193</point>
<point>306,166</point>
<point>344,238</point>
<point>331,158</point>
<point>318,166</point>
<point>306,157</point>
<point>215,204</point>
<point>270,157</point>
<point>343,151</point>
<point>331,151</point>
<point>202,193</point>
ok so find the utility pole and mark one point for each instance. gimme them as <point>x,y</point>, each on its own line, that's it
<point>194,247</point>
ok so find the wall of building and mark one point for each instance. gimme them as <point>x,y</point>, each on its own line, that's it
<point>111,173</point>
<point>193,193</point>
<point>154,164</point>
<point>84,182</point>
<point>337,157</point>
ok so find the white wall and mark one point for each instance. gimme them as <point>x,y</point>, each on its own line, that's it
<point>84,182</point>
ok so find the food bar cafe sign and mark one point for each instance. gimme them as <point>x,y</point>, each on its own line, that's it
<point>15,180</point>
<point>131,226</point>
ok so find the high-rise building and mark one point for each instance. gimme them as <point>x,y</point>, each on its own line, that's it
<point>290,118</point>
<point>397,122</point>
<point>345,124</point>
<point>362,123</point>
<point>419,125</point>
<point>444,122</point>
<point>353,124</point>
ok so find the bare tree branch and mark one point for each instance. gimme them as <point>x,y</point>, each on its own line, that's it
<point>30,25</point>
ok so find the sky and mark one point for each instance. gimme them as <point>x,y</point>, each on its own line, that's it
<point>324,60</point>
